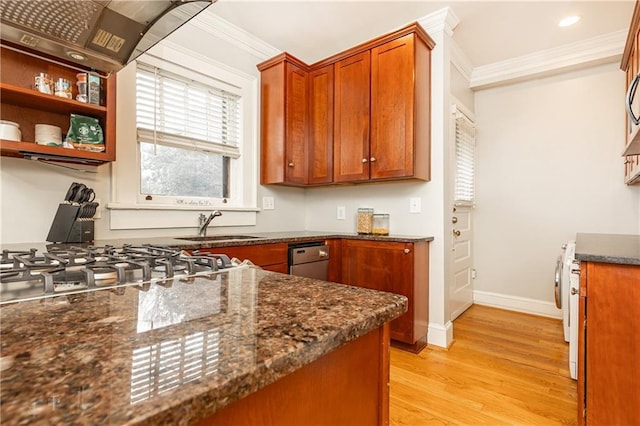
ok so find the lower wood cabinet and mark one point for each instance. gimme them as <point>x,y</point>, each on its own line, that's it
<point>609,344</point>
<point>272,257</point>
<point>401,268</point>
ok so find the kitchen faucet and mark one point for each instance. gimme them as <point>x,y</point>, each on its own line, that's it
<point>204,221</point>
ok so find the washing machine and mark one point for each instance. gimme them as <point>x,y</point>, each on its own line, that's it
<point>567,285</point>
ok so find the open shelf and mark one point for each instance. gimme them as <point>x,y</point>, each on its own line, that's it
<point>30,98</point>
<point>24,149</point>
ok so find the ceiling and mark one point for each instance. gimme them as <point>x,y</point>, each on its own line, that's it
<point>489,31</point>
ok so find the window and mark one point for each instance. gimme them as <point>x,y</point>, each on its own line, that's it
<point>464,192</point>
<point>188,134</point>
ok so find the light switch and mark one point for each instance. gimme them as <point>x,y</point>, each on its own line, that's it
<point>268,203</point>
<point>415,205</point>
<point>341,213</point>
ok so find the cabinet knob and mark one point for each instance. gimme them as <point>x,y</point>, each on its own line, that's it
<point>574,291</point>
<point>454,220</point>
<point>290,164</point>
<point>364,160</point>
<point>456,232</point>
<point>407,251</point>
<point>372,159</point>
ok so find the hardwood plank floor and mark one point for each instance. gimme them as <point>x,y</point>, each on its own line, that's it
<point>503,368</point>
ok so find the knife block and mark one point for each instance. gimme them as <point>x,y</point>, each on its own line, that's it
<point>68,227</point>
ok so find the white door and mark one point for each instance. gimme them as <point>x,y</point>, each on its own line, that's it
<point>461,288</point>
<point>461,285</point>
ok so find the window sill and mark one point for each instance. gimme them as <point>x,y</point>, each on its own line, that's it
<point>136,216</point>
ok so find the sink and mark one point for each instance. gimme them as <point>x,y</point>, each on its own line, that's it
<point>217,237</point>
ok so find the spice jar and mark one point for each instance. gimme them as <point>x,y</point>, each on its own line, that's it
<point>380,224</point>
<point>365,220</point>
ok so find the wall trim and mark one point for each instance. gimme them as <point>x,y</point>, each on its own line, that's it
<point>594,51</point>
<point>441,20</point>
<point>216,26</point>
<point>440,335</point>
<point>518,304</point>
<point>460,60</point>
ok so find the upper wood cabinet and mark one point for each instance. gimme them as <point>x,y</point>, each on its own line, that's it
<point>351,115</point>
<point>631,66</point>
<point>368,113</point>
<point>22,104</point>
<point>284,121</point>
<point>321,96</point>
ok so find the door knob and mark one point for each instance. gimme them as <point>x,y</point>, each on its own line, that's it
<point>454,220</point>
<point>456,232</point>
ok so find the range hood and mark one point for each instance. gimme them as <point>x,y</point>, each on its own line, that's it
<point>103,35</point>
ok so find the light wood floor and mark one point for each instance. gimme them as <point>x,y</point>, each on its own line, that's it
<point>504,368</point>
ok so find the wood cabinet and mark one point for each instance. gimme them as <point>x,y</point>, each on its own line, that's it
<point>349,386</point>
<point>27,107</point>
<point>283,118</point>
<point>375,125</point>
<point>609,344</point>
<point>272,257</point>
<point>321,95</point>
<point>631,66</point>
<point>401,268</point>
<point>351,131</point>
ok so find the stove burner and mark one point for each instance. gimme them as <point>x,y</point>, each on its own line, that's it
<point>69,269</point>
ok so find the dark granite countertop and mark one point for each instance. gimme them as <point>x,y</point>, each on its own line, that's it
<point>608,248</point>
<point>260,238</point>
<point>172,354</point>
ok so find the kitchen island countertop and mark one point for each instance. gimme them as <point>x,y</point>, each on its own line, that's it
<point>173,353</point>
<point>608,248</point>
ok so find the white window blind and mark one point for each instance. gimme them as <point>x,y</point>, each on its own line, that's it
<point>175,111</point>
<point>465,160</point>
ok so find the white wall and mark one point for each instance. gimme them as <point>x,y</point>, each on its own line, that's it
<point>548,167</point>
<point>30,192</point>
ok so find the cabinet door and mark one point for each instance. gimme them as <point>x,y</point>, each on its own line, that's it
<point>321,125</point>
<point>612,344</point>
<point>296,125</point>
<point>258,254</point>
<point>392,109</point>
<point>386,267</point>
<point>351,127</point>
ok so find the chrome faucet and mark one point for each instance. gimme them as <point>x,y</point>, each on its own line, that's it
<point>204,221</point>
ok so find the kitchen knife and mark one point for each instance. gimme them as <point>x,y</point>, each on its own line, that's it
<point>71,192</point>
<point>87,195</point>
<point>77,196</point>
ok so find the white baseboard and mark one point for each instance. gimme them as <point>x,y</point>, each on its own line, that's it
<point>515,303</point>
<point>440,335</point>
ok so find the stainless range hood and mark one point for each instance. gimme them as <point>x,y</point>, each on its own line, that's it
<point>101,34</point>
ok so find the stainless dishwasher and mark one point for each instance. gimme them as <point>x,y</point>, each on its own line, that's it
<point>309,260</point>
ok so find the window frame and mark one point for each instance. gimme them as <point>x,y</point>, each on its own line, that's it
<point>125,209</point>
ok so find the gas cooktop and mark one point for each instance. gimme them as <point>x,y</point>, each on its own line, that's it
<point>26,275</point>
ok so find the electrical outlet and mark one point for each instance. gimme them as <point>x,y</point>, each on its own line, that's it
<point>415,205</point>
<point>268,203</point>
<point>341,213</point>
<point>98,214</point>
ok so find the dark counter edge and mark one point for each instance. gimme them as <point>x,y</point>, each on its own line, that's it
<point>261,238</point>
<point>622,249</point>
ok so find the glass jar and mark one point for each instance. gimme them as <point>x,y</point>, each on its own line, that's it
<point>380,224</point>
<point>365,220</point>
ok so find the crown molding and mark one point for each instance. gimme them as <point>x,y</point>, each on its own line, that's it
<point>215,26</point>
<point>594,51</point>
<point>460,60</point>
<point>441,20</point>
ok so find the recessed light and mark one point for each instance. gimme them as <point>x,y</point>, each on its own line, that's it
<point>76,55</point>
<point>569,20</point>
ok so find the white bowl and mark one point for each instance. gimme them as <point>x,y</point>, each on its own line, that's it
<point>47,134</point>
<point>10,131</point>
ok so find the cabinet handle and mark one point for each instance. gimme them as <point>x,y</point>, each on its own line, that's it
<point>372,159</point>
<point>291,164</point>
<point>364,160</point>
<point>407,251</point>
